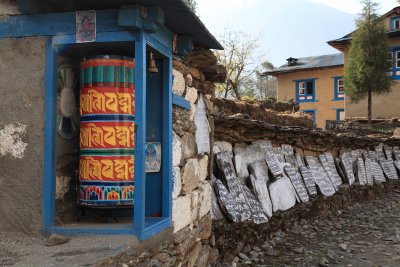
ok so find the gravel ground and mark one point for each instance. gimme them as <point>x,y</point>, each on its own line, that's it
<point>366,234</point>
<point>19,249</point>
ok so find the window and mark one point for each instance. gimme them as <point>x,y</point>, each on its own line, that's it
<point>340,114</point>
<point>394,59</point>
<point>395,23</point>
<point>338,88</point>
<point>311,112</point>
<point>305,90</point>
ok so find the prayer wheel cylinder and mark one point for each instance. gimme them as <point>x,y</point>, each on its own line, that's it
<point>107,109</point>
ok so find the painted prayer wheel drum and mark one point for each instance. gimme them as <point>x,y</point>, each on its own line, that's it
<point>107,108</point>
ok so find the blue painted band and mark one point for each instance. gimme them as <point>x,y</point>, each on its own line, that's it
<point>179,101</point>
<point>105,183</point>
<point>90,118</point>
<point>111,203</point>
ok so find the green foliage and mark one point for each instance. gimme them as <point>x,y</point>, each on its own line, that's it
<point>192,4</point>
<point>367,63</point>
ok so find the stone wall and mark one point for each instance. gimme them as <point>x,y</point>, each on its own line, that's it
<point>8,7</point>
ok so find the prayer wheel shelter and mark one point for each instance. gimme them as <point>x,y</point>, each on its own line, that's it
<point>87,113</point>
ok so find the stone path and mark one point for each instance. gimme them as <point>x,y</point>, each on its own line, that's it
<point>366,234</point>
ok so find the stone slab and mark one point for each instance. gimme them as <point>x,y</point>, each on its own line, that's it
<point>297,183</point>
<point>176,182</point>
<point>389,169</point>
<point>388,152</point>
<point>287,149</point>
<point>320,177</point>
<point>259,170</point>
<point>176,150</point>
<point>361,172</point>
<point>261,191</point>
<point>178,84</point>
<point>337,179</point>
<point>279,154</point>
<point>291,159</point>
<point>274,165</point>
<point>227,202</point>
<point>202,128</point>
<point>257,214</point>
<point>283,195</point>
<point>396,152</point>
<point>375,171</point>
<point>330,171</point>
<point>245,156</point>
<point>346,161</point>
<point>216,211</point>
<point>308,179</point>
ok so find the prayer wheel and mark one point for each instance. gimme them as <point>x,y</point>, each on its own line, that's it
<point>107,109</point>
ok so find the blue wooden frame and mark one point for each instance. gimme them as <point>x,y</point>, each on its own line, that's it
<point>297,83</point>
<point>338,110</point>
<point>336,88</point>
<point>392,23</point>
<point>61,33</point>
<point>394,69</point>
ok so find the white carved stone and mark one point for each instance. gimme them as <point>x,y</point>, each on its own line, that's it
<point>178,85</point>
<point>203,128</point>
<point>261,191</point>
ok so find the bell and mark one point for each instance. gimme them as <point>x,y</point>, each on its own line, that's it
<point>152,68</point>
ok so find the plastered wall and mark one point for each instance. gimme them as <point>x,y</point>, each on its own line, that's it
<point>22,74</point>
<point>324,91</point>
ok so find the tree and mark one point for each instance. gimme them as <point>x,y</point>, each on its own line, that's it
<point>192,4</point>
<point>266,85</point>
<point>365,72</point>
<point>240,59</point>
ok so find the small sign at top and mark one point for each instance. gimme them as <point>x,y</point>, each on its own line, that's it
<point>86,26</point>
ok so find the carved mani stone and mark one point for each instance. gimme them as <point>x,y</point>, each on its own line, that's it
<point>347,163</point>
<point>287,150</point>
<point>308,180</point>
<point>216,211</point>
<point>330,169</point>
<point>227,202</point>
<point>273,164</point>
<point>257,213</point>
<point>282,193</point>
<point>319,172</point>
<point>361,172</point>
<point>297,183</point>
<point>375,171</point>
<point>396,152</point>
<point>388,152</point>
<point>389,169</point>
<point>291,159</point>
<point>245,156</point>
<point>326,188</point>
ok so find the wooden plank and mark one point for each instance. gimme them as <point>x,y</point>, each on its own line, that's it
<point>180,101</point>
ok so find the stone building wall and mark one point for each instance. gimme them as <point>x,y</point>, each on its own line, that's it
<point>8,7</point>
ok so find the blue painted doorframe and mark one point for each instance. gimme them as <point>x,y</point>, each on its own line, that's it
<point>61,33</point>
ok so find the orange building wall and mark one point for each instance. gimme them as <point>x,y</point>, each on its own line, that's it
<point>324,106</point>
<point>383,106</point>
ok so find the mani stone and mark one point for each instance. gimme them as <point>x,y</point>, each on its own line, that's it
<point>203,128</point>
<point>346,161</point>
<point>225,166</point>
<point>279,154</point>
<point>261,191</point>
<point>375,171</point>
<point>283,196</point>
<point>265,146</point>
<point>224,146</point>
<point>227,202</point>
<point>245,156</point>
<point>297,183</point>
<point>330,169</point>
<point>331,162</point>
<point>274,165</point>
<point>326,188</point>
<point>318,170</point>
<point>361,172</point>
<point>216,211</point>
<point>257,213</point>
<point>373,155</point>
<point>299,160</point>
<point>379,152</point>
<point>308,180</point>
<point>396,152</point>
<point>260,170</point>
<point>389,169</point>
<point>339,169</point>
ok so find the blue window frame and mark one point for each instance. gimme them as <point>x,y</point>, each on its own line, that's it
<point>338,93</point>
<point>395,23</point>
<point>340,114</point>
<point>305,90</point>
<point>311,112</point>
<point>394,59</point>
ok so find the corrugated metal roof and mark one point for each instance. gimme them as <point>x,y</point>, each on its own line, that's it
<point>178,16</point>
<point>317,62</point>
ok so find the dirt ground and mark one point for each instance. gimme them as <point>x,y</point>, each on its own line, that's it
<point>365,234</point>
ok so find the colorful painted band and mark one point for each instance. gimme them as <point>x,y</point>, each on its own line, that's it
<point>106,195</point>
<point>107,100</point>
<point>106,135</point>
<point>107,71</point>
<point>106,168</point>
